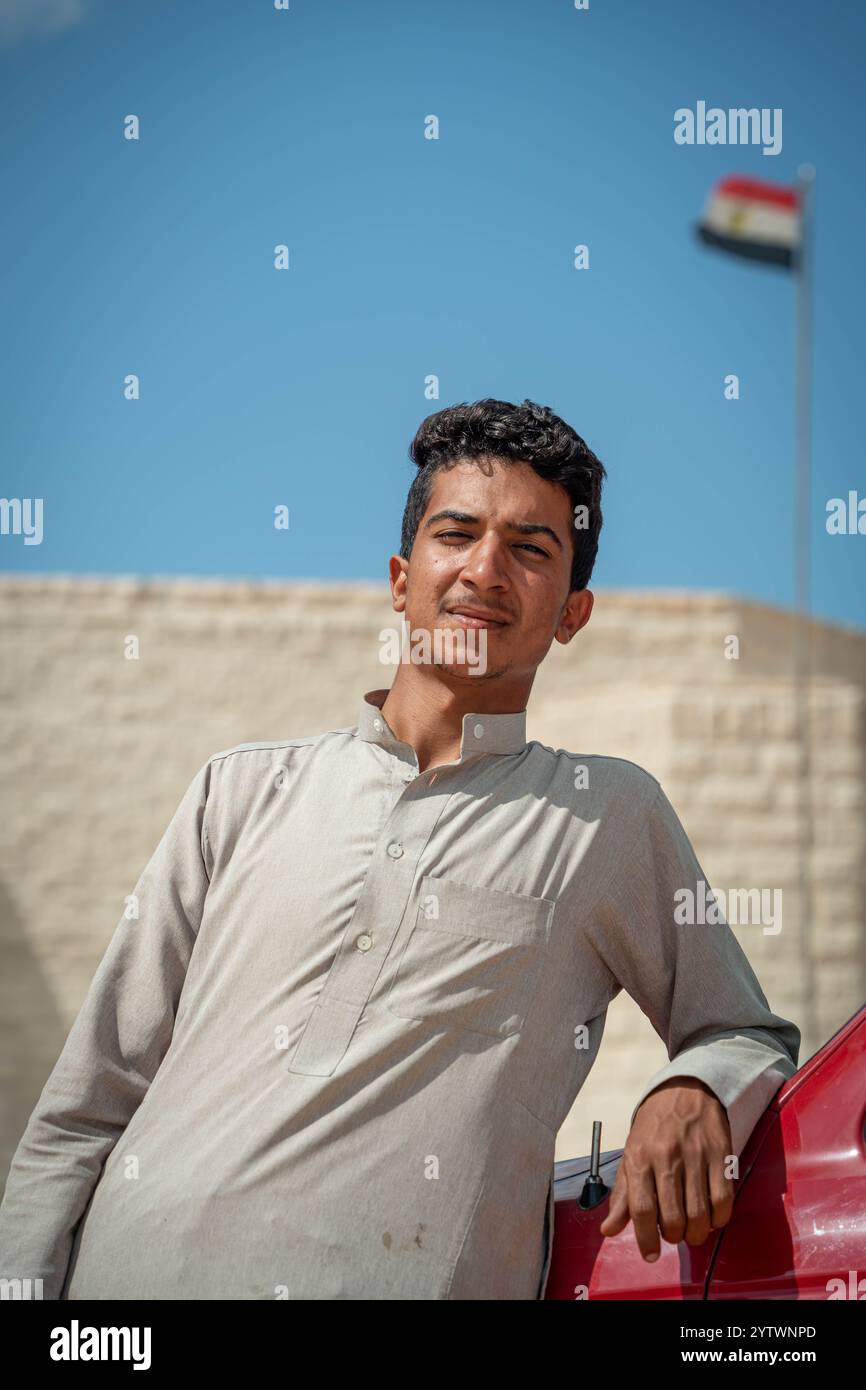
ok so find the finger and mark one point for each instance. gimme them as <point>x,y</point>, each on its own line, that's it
<point>643,1205</point>
<point>670,1192</point>
<point>697,1197</point>
<point>721,1192</point>
<point>617,1215</point>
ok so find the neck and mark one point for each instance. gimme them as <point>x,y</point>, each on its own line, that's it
<point>425,709</point>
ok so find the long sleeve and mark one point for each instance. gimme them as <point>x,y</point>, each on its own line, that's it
<point>111,1055</point>
<point>692,979</point>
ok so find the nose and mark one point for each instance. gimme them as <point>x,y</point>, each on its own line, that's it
<point>486,563</point>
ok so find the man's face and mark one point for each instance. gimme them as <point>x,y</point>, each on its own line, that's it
<point>506,552</point>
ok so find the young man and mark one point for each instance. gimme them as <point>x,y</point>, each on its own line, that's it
<point>371,967</point>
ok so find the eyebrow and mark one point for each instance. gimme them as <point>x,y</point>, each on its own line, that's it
<point>524,528</point>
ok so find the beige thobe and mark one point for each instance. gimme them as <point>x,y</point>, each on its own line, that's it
<point>331,1041</point>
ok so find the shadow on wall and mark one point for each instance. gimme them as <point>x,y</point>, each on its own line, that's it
<point>34,1028</point>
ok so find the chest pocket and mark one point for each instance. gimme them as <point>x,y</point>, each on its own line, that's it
<point>473,958</point>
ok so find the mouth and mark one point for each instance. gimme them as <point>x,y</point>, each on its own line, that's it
<point>469,616</point>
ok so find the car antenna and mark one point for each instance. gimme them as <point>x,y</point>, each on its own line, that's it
<point>594,1189</point>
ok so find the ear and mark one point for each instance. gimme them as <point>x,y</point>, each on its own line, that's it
<point>575,614</point>
<point>398,575</point>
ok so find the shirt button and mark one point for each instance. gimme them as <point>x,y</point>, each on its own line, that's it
<point>364,942</point>
<point>377,725</point>
<point>478,731</point>
<point>395,849</point>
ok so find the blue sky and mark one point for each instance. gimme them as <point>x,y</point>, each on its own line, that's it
<point>410,257</point>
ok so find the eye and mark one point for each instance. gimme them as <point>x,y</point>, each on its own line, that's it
<point>444,534</point>
<point>521,545</point>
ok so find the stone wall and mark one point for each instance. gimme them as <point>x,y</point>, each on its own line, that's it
<point>99,750</point>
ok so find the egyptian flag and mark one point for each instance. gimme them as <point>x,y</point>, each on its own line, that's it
<point>753,218</point>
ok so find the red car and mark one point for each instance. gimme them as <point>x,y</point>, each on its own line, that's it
<point>798,1227</point>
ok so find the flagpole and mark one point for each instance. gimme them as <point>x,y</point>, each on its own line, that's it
<point>802,587</point>
<point>803,391</point>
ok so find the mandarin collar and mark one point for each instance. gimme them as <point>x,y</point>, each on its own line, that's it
<point>482,733</point>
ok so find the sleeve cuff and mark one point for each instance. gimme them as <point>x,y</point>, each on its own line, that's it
<point>742,1072</point>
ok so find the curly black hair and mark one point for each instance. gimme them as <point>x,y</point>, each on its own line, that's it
<point>527,433</point>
